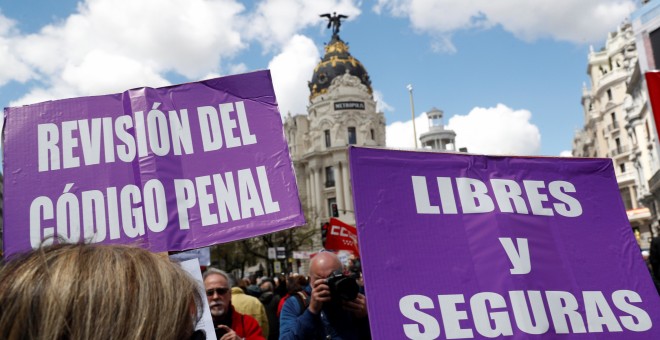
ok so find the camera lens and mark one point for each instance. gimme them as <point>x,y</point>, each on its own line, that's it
<point>343,287</point>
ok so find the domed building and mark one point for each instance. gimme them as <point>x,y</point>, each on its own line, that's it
<point>341,112</point>
<point>438,138</point>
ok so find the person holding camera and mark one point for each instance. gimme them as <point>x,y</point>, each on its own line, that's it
<point>334,308</point>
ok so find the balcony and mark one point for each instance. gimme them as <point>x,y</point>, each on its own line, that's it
<point>638,215</point>
<point>620,151</point>
<point>608,79</point>
<point>625,178</point>
<point>613,127</point>
<point>654,182</point>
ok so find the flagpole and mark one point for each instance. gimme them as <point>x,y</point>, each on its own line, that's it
<point>412,109</point>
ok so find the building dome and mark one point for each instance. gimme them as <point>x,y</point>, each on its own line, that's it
<point>336,62</point>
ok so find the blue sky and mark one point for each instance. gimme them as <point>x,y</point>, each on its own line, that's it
<point>508,74</point>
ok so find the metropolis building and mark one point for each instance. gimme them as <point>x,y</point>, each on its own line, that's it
<point>341,112</point>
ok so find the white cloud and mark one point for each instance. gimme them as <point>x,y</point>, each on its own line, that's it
<point>497,130</point>
<point>291,70</point>
<point>566,153</point>
<point>237,68</point>
<point>400,134</point>
<point>101,49</point>
<point>494,131</point>
<point>13,68</point>
<point>275,21</point>
<point>584,21</point>
<point>381,104</point>
<point>101,72</point>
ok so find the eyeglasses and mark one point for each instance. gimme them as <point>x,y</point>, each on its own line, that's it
<point>220,291</point>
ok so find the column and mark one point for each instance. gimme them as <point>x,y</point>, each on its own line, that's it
<point>347,191</point>
<point>319,193</point>
<point>308,190</point>
<point>339,186</point>
<point>312,192</point>
<point>312,186</point>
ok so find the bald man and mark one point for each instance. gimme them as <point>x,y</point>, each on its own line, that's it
<point>322,316</point>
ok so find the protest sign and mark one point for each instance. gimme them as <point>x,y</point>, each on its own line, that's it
<point>205,322</point>
<point>167,169</point>
<point>456,246</point>
<point>202,255</point>
<point>341,236</point>
<point>653,85</point>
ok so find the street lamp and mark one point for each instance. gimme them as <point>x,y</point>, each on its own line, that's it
<point>412,109</point>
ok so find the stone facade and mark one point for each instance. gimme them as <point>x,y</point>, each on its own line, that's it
<point>318,145</point>
<point>646,28</point>
<point>616,123</point>
<point>341,114</point>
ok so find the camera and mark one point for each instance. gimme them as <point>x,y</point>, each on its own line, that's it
<point>219,332</point>
<point>342,286</point>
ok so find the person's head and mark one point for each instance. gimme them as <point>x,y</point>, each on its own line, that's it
<point>78,291</point>
<point>266,286</point>
<point>322,265</point>
<point>218,291</point>
<point>243,284</point>
<point>280,285</point>
<point>295,284</point>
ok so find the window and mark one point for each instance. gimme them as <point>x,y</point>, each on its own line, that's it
<point>609,94</point>
<point>333,210</point>
<point>373,134</point>
<point>329,177</point>
<point>618,145</point>
<point>622,167</point>
<point>352,135</point>
<point>655,46</point>
<point>326,133</point>
<point>615,124</point>
<point>625,196</point>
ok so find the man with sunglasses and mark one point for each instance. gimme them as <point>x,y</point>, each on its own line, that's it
<point>229,324</point>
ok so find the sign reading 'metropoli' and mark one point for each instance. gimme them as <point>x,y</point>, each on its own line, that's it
<point>172,168</point>
<point>458,247</point>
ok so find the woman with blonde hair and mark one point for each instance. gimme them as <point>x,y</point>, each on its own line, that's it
<point>78,291</point>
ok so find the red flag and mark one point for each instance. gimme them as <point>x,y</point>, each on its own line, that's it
<point>341,236</point>
<point>653,84</point>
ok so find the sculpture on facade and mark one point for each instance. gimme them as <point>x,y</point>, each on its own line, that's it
<point>334,21</point>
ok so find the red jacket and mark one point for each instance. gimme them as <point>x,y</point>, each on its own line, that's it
<point>245,326</point>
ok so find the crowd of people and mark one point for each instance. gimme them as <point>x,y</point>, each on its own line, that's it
<point>330,304</point>
<point>79,291</point>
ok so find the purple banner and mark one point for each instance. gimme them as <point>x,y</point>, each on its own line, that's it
<point>172,168</point>
<point>458,246</point>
